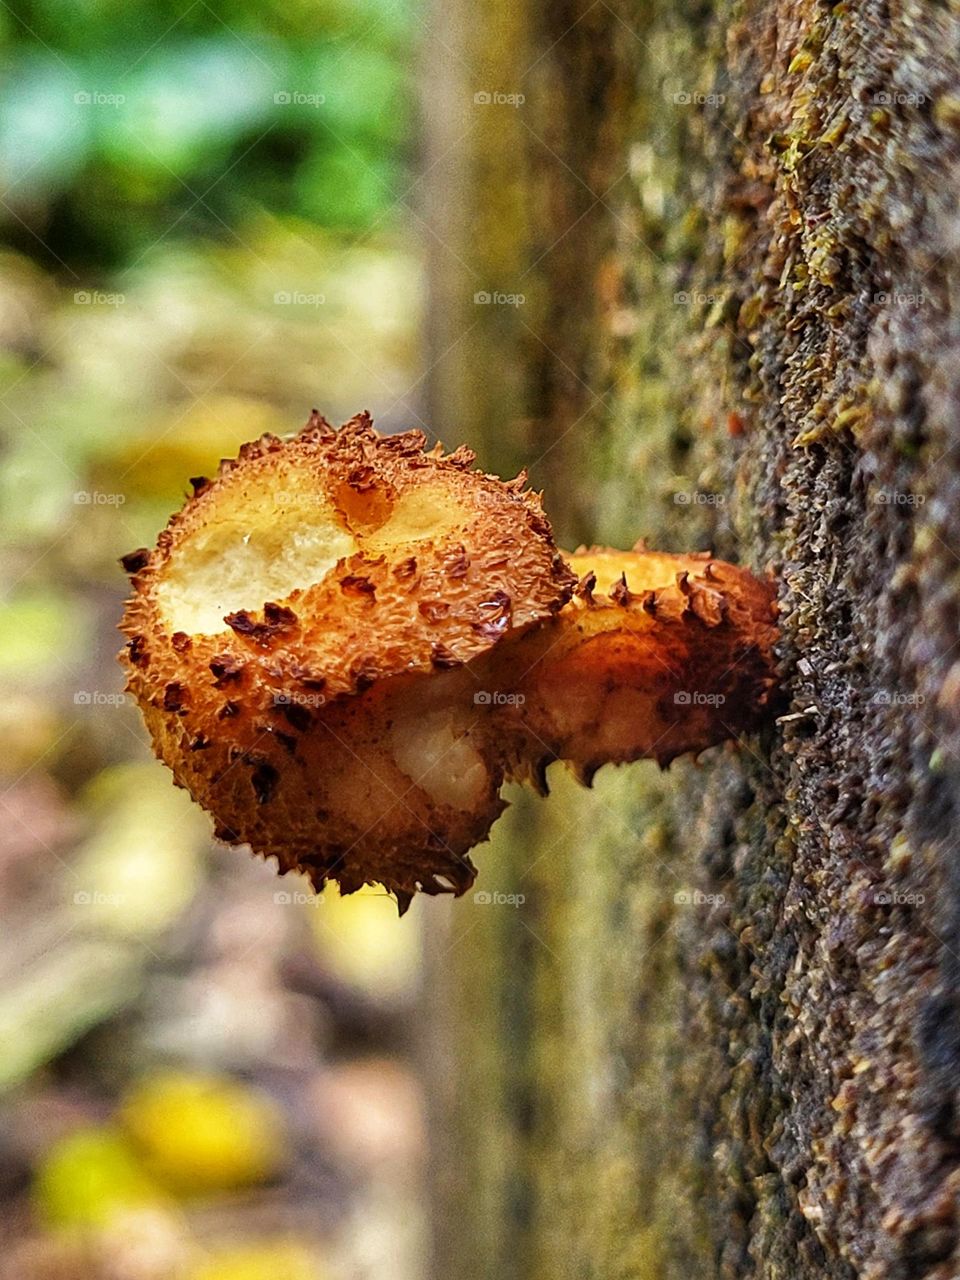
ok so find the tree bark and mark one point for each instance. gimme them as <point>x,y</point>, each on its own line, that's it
<point>721,1034</point>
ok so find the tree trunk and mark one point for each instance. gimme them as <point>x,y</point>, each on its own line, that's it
<point>720,1035</point>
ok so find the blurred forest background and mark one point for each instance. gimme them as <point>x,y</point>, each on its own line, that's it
<point>209,224</point>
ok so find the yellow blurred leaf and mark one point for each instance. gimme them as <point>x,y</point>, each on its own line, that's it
<point>199,1133</point>
<point>40,632</point>
<point>188,442</point>
<point>365,943</point>
<point>140,868</point>
<point>89,1177</point>
<point>261,1262</point>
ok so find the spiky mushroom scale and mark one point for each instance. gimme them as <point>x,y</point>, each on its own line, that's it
<point>666,654</point>
<point>344,643</point>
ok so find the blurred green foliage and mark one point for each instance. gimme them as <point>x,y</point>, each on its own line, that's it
<point>125,122</point>
<point>204,237</point>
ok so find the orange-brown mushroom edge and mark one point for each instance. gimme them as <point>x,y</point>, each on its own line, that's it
<point>344,644</point>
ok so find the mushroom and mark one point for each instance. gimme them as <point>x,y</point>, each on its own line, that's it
<point>344,644</point>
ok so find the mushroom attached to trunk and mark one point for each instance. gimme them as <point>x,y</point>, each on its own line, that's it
<point>344,644</point>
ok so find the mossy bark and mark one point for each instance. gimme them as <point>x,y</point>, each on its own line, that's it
<point>721,1034</point>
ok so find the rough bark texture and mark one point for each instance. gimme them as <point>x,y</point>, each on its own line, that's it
<point>721,1035</point>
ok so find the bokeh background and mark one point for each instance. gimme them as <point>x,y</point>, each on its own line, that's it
<point>209,223</point>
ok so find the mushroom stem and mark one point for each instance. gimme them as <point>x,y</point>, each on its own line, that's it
<point>654,656</point>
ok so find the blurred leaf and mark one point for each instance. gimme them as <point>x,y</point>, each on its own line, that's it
<point>117,127</point>
<point>364,95</point>
<point>348,188</point>
<point>191,100</point>
<point>365,943</point>
<point>261,1262</point>
<point>89,1177</point>
<point>178,443</point>
<point>39,631</point>
<point>140,868</point>
<point>31,727</point>
<point>48,1000</point>
<point>202,1133</point>
<point>44,134</point>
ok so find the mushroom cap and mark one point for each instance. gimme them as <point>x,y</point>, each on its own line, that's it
<point>313,596</point>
